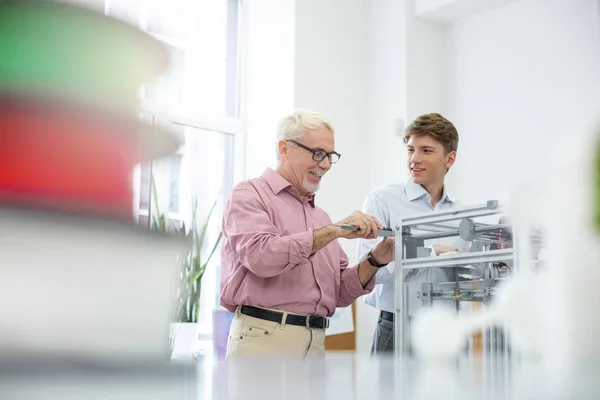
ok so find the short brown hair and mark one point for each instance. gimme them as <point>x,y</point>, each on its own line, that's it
<point>436,126</point>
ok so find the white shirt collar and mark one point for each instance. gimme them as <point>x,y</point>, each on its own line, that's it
<point>415,191</point>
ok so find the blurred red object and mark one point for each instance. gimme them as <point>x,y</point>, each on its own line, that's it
<point>66,158</point>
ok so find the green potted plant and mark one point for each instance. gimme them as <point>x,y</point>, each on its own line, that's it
<point>192,267</point>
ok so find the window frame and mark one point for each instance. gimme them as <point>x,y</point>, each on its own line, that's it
<point>234,125</point>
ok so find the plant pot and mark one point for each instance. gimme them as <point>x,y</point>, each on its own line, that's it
<point>184,340</point>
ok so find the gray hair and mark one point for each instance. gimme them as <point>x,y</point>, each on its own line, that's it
<point>294,125</point>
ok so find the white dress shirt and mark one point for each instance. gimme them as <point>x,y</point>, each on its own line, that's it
<point>387,204</point>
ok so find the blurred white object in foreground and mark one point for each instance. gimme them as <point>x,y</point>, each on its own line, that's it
<point>439,333</point>
<point>574,254</point>
<point>84,288</point>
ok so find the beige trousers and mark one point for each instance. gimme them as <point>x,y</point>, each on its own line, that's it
<point>249,336</point>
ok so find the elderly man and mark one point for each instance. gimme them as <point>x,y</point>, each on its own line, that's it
<point>431,142</point>
<point>283,271</point>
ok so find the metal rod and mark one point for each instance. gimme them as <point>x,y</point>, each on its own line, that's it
<point>454,232</point>
<point>426,228</point>
<point>444,226</point>
<point>493,358</point>
<point>474,284</point>
<point>488,228</point>
<point>467,295</point>
<point>437,235</point>
<point>380,232</point>
<point>437,226</point>
<point>484,360</point>
<point>490,208</point>
<point>405,321</point>
<point>398,297</point>
<point>454,260</point>
<point>508,363</point>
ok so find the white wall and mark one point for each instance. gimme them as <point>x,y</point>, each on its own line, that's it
<point>269,72</point>
<point>331,77</point>
<point>453,10</point>
<point>525,75</point>
<point>424,64</point>
<point>386,90</point>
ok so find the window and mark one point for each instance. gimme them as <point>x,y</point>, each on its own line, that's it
<point>198,99</point>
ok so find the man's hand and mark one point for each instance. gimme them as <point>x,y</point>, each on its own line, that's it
<point>383,254</point>
<point>367,226</point>
<point>384,251</point>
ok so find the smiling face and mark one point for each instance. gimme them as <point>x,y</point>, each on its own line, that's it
<point>428,161</point>
<point>297,163</point>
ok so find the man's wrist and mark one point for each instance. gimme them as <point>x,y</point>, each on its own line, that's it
<point>334,231</point>
<point>366,272</point>
<point>328,231</point>
<point>373,261</point>
<point>368,266</point>
<point>323,236</point>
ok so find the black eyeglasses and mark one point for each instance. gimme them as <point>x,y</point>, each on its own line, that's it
<point>319,155</point>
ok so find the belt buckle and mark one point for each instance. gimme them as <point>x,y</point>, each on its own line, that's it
<point>324,326</point>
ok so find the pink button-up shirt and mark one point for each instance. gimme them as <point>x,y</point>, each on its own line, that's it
<point>265,255</point>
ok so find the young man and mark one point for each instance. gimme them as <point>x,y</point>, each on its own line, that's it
<point>431,141</point>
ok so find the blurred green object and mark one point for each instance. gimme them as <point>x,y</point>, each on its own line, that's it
<point>59,50</point>
<point>59,55</point>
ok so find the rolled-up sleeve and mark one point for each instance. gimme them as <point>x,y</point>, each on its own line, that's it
<point>350,286</point>
<point>258,243</point>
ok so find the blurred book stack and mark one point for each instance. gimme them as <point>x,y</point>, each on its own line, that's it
<point>86,297</point>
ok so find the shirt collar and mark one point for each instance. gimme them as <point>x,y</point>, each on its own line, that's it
<point>415,191</point>
<point>275,181</point>
<point>278,183</point>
